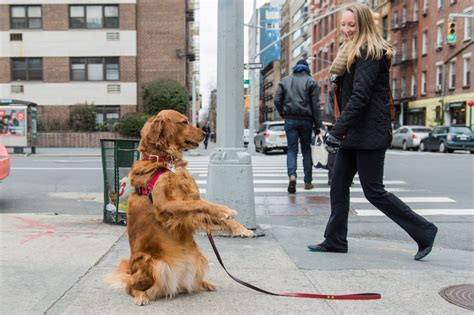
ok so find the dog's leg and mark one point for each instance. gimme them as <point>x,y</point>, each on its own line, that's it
<point>185,206</point>
<point>237,229</point>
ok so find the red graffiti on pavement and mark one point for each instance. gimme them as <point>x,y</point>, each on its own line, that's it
<point>49,230</point>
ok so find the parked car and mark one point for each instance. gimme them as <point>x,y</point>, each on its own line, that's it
<point>247,137</point>
<point>4,162</point>
<point>271,136</point>
<point>409,137</point>
<point>448,139</point>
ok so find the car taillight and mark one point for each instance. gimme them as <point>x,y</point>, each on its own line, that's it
<point>413,136</point>
<point>450,137</point>
<point>266,134</point>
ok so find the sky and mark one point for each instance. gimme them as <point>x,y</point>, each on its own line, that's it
<point>208,43</point>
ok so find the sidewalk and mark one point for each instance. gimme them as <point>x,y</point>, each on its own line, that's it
<point>55,264</point>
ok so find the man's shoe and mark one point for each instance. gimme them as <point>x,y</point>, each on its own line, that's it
<point>292,186</point>
<point>324,249</point>
<point>308,186</point>
<point>424,251</point>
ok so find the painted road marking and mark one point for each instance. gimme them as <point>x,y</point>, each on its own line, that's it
<point>367,213</point>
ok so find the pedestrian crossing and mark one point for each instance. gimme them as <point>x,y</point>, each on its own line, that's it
<point>270,179</point>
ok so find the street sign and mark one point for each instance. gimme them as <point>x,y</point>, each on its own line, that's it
<point>247,81</point>
<point>254,65</point>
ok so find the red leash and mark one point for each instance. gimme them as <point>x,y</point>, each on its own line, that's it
<point>356,296</point>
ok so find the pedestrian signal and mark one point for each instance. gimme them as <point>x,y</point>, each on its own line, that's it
<point>451,32</point>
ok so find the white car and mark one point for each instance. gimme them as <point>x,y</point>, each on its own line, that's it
<point>409,137</point>
<point>271,136</point>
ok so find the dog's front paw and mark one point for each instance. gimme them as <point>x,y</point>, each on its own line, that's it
<point>208,286</point>
<point>245,233</point>
<point>141,298</point>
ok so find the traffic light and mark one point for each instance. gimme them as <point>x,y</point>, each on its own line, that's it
<point>247,101</point>
<point>451,38</point>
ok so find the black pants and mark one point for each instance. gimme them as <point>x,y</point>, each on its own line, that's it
<point>369,164</point>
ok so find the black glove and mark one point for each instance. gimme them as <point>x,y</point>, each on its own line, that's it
<point>331,144</point>
<point>317,131</point>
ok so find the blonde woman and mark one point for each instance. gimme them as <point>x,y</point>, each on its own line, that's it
<point>362,133</point>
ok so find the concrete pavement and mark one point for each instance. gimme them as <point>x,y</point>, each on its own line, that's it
<point>55,264</point>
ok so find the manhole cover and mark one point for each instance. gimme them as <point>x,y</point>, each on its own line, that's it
<point>460,295</point>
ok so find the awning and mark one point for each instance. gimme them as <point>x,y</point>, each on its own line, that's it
<point>416,110</point>
<point>456,105</point>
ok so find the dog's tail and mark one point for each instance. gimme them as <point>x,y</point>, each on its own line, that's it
<point>120,277</point>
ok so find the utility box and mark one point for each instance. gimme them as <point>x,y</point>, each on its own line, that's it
<point>18,124</point>
<point>118,156</point>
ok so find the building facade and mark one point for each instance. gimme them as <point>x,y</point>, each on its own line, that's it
<point>67,52</point>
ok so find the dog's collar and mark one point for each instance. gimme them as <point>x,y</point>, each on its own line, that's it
<point>155,158</point>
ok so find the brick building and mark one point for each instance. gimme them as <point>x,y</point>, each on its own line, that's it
<point>431,77</point>
<point>66,52</point>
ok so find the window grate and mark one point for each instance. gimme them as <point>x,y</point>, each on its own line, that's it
<point>16,89</point>
<point>113,88</point>
<point>16,37</point>
<point>113,36</point>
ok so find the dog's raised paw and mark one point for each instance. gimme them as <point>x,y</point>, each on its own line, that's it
<point>246,233</point>
<point>228,214</point>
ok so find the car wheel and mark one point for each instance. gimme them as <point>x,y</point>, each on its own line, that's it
<point>472,151</point>
<point>286,151</point>
<point>404,146</point>
<point>265,150</point>
<point>450,150</point>
<point>442,147</point>
<point>422,147</point>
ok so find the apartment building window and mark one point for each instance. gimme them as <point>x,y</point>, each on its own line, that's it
<point>27,69</point>
<point>425,6</point>
<point>93,16</point>
<point>424,43</point>
<point>423,83</point>
<point>385,27</point>
<point>326,86</point>
<point>332,52</point>
<point>413,85</point>
<point>414,46</point>
<point>467,26</point>
<point>404,15</point>
<point>440,4</point>
<point>466,80</point>
<point>95,69</point>
<point>25,16</point>
<point>439,77</point>
<point>394,88</point>
<point>404,88</point>
<point>395,19</point>
<point>404,50</point>
<point>452,75</point>
<point>320,58</point>
<point>415,10</point>
<point>320,29</point>
<point>440,34</point>
<point>107,115</point>
<point>326,26</point>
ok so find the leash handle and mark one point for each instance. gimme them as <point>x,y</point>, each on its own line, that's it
<point>356,296</point>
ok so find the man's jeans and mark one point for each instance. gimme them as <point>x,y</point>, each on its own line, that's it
<point>301,130</point>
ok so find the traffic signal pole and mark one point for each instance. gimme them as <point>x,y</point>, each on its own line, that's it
<point>230,178</point>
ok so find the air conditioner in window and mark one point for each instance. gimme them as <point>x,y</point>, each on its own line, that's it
<point>438,45</point>
<point>425,11</point>
<point>113,88</point>
<point>113,36</point>
<point>438,87</point>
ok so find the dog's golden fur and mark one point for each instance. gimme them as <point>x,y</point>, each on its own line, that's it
<point>165,259</point>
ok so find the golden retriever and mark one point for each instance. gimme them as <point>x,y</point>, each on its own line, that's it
<point>165,259</point>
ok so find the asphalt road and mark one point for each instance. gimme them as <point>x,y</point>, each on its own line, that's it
<point>74,185</point>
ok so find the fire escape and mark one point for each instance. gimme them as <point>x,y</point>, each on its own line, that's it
<point>405,60</point>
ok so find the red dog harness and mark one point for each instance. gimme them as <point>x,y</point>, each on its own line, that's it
<point>153,158</point>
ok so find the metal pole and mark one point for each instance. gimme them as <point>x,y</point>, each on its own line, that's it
<point>253,85</point>
<point>230,178</point>
<point>193,115</point>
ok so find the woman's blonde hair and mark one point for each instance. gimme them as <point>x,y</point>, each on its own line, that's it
<point>367,35</point>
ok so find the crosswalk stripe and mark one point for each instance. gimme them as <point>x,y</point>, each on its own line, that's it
<point>423,212</point>
<point>325,189</point>
<point>285,181</point>
<point>281,175</point>
<point>409,199</point>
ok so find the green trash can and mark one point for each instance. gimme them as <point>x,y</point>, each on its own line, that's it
<point>118,156</point>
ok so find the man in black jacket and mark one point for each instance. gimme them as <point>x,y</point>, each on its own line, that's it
<point>297,101</point>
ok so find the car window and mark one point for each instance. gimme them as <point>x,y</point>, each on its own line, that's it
<point>464,130</point>
<point>421,130</point>
<point>404,130</point>
<point>276,127</point>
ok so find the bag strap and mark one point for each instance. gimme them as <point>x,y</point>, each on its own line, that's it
<point>337,111</point>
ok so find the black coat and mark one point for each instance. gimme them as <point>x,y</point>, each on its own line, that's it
<point>297,97</point>
<point>365,106</point>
